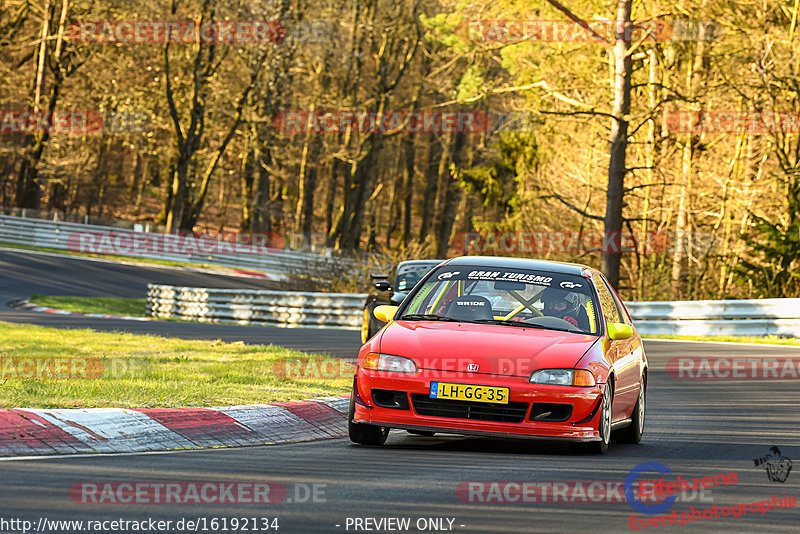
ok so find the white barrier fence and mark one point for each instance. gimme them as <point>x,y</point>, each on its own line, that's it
<point>67,236</point>
<point>256,306</point>
<point>718,317</point>
<point>343,310</point>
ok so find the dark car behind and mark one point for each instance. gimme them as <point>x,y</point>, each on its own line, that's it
<point>391,289</point>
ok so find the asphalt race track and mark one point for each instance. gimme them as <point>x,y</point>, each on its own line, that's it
<point>23,274</point>
<point>696,428</point>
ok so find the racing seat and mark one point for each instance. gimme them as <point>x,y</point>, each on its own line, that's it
<point>470,308</point>
<point>582,318</point>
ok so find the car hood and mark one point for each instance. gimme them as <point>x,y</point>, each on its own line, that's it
<point>496,349</point>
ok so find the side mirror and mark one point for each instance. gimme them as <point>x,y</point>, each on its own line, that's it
<point>619,330</point>
<point>379,276</point>
<point>384,313</point>
<point>382,285</point>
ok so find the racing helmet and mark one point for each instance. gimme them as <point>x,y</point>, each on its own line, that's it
<point>552,296</point>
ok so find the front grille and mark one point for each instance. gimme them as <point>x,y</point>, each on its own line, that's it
<point>513,412</point>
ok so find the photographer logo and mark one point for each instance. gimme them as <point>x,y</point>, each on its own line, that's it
<point>777,465</point>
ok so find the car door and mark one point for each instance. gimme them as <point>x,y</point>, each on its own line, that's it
<point>635,359</point>
<point>619,353</point>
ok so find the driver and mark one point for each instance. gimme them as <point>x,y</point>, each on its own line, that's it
<point>564,305</point>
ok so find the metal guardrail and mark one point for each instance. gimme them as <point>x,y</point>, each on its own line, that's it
<point>293,309</point>
<point>58,215</point>
<point>718,317</point>
<point>255,306</point>
<point>279,264</point>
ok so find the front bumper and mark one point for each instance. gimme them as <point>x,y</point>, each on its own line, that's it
<point>580,425</point>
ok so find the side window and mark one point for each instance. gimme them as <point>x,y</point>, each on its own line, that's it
<point>606,300</point>
<point>623,313</point>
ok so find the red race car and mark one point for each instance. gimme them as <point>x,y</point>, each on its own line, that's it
<point>504,347</point>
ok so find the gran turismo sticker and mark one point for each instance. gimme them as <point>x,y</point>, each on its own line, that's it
<point>566,284</point>
<point>448,275</point>
<point>507,276</point>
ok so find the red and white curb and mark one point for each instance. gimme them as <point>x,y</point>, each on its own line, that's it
<point>27,305</point>
<point>28,432</point>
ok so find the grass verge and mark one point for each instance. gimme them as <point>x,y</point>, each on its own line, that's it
<point>768,340</point>
<point>134,371</point>
<point>105,305</point>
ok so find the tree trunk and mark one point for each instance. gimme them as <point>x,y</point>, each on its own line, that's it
<point>407,187</point>
<point>261,200</point>
<point>330,195</point>
<point>395,180</point>
<point>304,214</point>
<point>247,180</point>
<point>144,181</point>
<point>619,144</point>
<point>431,183</point>
<point>304,210</point>
<point>28,193</point>
<point>683,231</point>
<point>452,196</point>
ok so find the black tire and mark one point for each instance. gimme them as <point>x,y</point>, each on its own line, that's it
<point>604,427</point>
<point>426,433</point>
<point>633,432</point>
<point>361,433</point>
<point>369,325</point>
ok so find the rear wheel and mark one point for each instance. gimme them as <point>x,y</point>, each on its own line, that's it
<point>361,433</point>
<point>633,432</point>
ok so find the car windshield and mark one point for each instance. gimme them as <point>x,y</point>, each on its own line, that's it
<point>506,297</point>
<point>409,274</point>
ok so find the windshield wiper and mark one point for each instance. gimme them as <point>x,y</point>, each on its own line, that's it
<point>505,322</point>
<point>427,317</point>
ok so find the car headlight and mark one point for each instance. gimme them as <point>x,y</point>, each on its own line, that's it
<point>386,362</point>
<point>563,377</point>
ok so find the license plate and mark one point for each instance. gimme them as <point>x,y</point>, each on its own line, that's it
<point>469,392</point>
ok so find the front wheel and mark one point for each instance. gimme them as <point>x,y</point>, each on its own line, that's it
<point>368,327</point>
<point>600,447</point>
<point>633,432</point>
<point>361,433</point>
